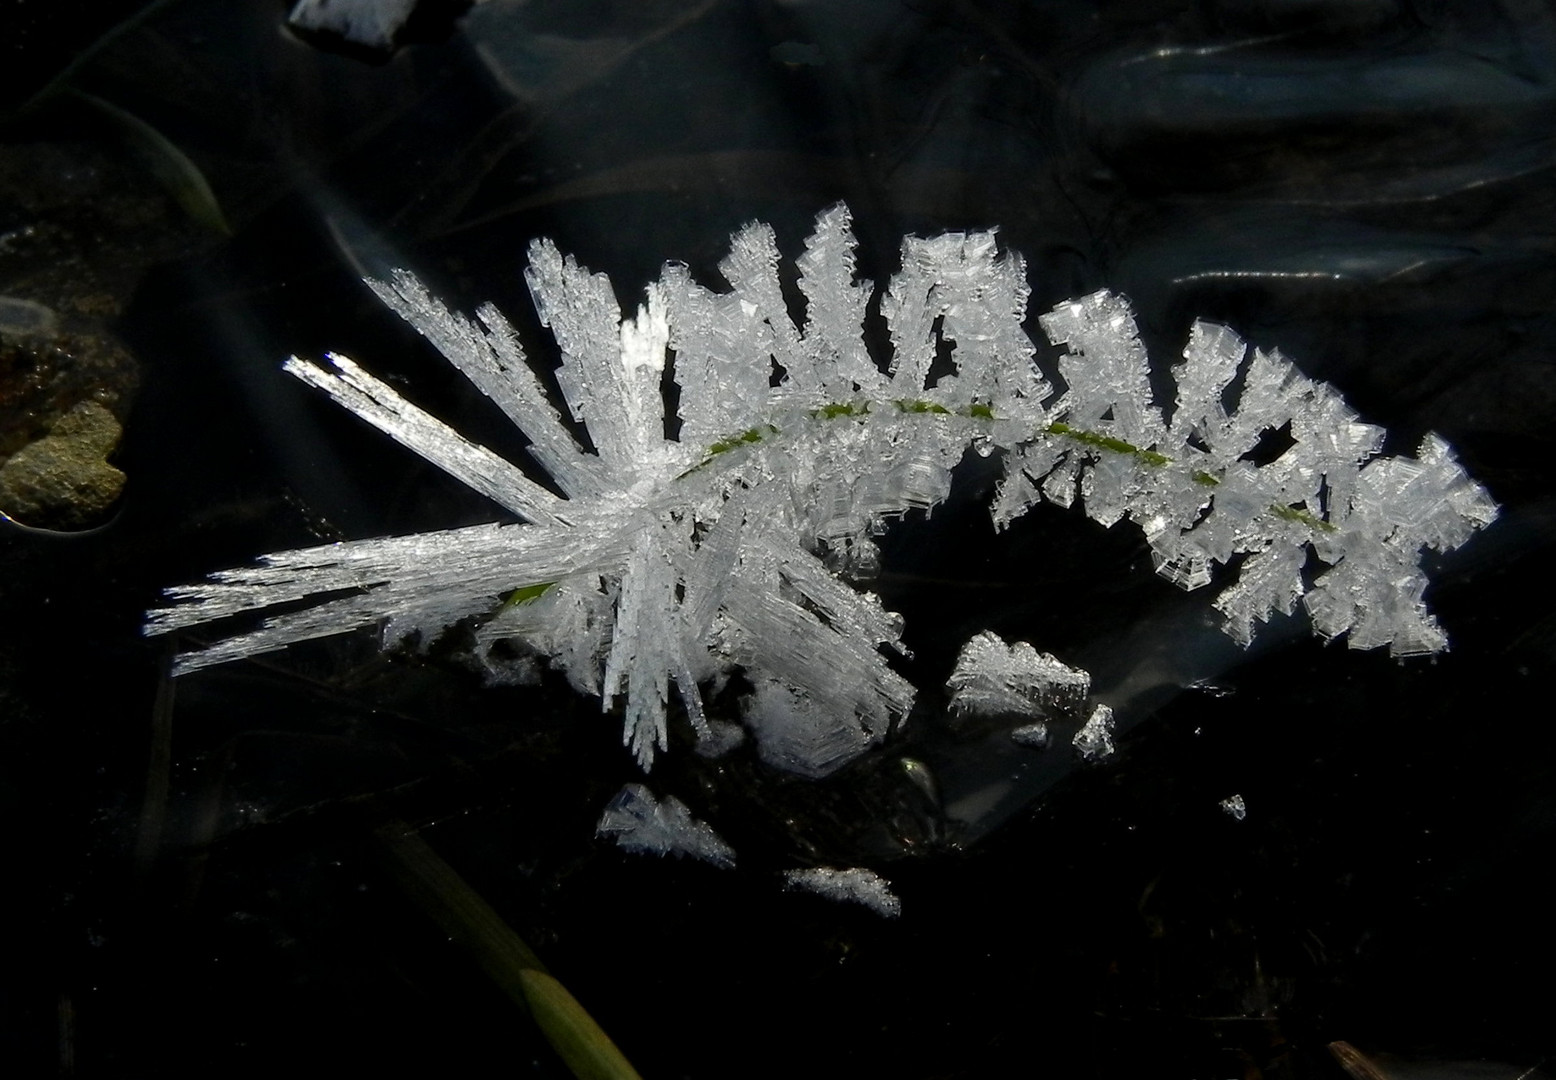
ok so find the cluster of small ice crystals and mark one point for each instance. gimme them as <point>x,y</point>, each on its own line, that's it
<point>1235,807</point>
<point>643,824</point>
<point>640,822</point>
<point>993,678</point>
<point>854,885</point>
<point>661,565</point>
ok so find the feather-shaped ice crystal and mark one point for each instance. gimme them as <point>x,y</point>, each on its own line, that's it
<point>639,822</point>
<point>666,563</point>
<point>992,677</point>
<point>853,885</point>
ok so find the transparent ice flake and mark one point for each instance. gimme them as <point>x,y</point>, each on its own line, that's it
<point>641,823</point>
<point>993,677</point>
<point>1033,736</point>
<point>1094,741</point>
<point>853,885</point>
<point>373,23</point>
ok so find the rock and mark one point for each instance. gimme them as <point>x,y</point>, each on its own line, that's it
<point>63,480</point>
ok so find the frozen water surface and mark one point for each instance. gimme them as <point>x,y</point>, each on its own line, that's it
<point>1262,165</point>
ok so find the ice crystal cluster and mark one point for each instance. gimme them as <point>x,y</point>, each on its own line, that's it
<point>649,566</point>
<point>638,821</point>
<point>372,23</point>
<point>851,885</point>
<point>993,678</point>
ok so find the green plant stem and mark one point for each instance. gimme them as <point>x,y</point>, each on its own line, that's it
<point>507,959</point>
<point>1096,440</point>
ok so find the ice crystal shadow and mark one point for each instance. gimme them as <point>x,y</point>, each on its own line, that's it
<point>674,562</point>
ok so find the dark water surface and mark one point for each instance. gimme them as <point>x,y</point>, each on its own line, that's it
<point>191,877</point>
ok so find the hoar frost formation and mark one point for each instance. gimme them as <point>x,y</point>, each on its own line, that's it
<point>671,562</point>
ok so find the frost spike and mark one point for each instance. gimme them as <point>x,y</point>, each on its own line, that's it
<point>479,468</point>
<point>838,365</point>
<point>495,363</point>
<point>581,311</point>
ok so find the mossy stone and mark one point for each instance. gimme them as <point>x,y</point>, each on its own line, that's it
<point>63,480</point>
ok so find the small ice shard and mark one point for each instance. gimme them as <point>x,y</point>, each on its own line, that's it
<point>372,23</point>
<point>992,677</point>
<point>720,738</point>
<point>1032,736</point>
<point>922,777</point>
<point>798,734</point>
<point>854,885</point>
<point>1234,805</point>
<point>1095,739</point>
<point>639,822</point>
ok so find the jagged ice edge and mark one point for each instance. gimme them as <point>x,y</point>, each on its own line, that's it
<point>670,562</point>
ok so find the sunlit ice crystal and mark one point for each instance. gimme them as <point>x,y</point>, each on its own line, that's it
<point>853,885</point>
<point>1033,736</point>
<point>992,677</point>
<point>1202,504</point>
<point>372,23</point>
<point>640,822</point>
<point>647,568</point>
<point>1094,741</point>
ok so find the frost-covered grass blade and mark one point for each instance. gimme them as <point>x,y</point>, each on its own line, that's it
<point>667,564</point>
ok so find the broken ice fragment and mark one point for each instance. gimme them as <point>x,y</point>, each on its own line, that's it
<point>922,777</point>
<point>992,678</point>
<point>1234,805</point>
<point>797,734</point>
<point>720,738</point>
<point>639,822</point>
<point>855,885</point>
<point>372,23</point>
<point>1032,736</point>
<point>1095,738</point>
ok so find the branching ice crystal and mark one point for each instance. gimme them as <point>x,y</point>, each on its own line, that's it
<point>991,678</point>
<point>854,885</point>
<point>662,564</point>
<point>639,822</point>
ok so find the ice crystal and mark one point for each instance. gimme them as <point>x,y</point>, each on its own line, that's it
<point>1235,807</point>
<point>372,23</point>
<point>660,565</point>
<point>1094,740</point>
<point>1033,736</point>
<point>639,822</point>
<point>854,885</point>
<point>992,677</point>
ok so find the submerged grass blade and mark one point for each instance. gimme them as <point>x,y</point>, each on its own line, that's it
<point>571,1031</point>
<point>506,958</point>
<point>153,812</point>
<point>179,176</point>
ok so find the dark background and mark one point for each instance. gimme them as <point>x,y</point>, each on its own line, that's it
<point>189,873</point>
